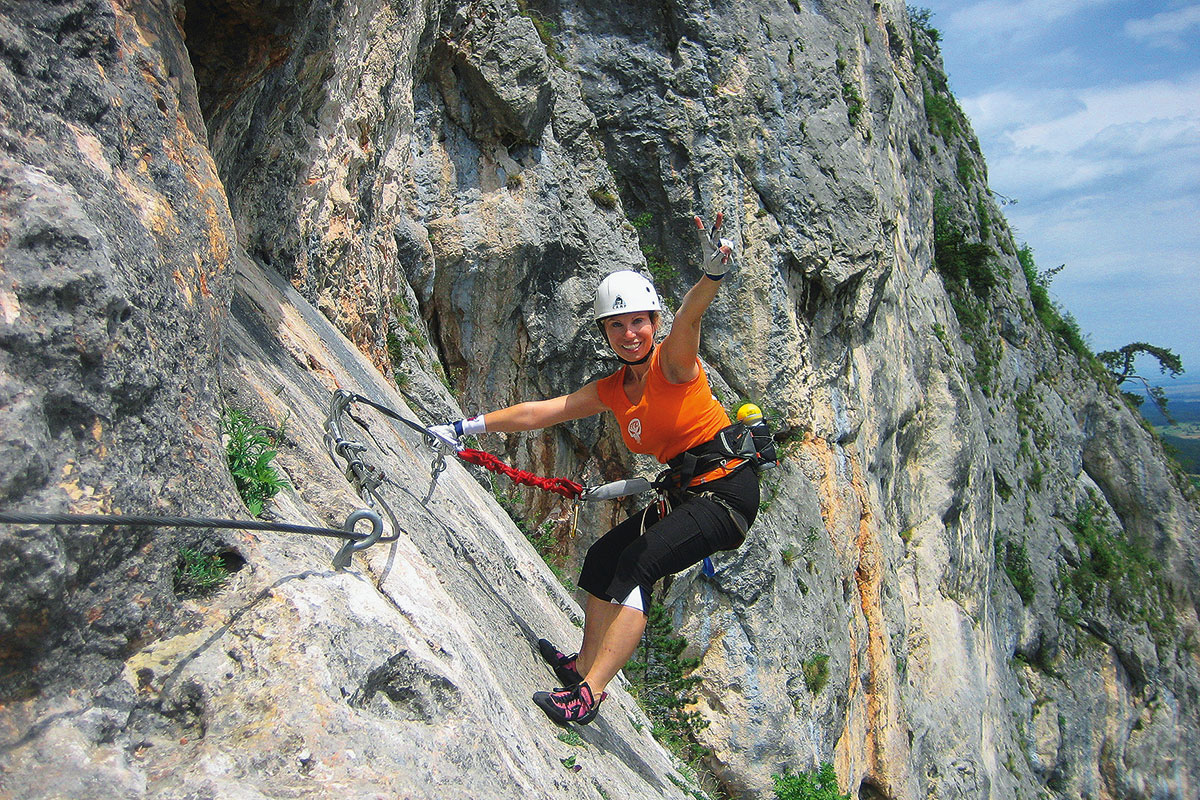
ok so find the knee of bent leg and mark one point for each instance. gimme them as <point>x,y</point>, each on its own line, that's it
<point>632,568</point>
<point>596,557</point>
<point>598,565</point>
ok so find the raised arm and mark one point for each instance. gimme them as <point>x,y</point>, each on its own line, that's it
<point>682,345</point>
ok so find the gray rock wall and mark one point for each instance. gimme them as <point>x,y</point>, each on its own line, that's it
<point>922,600</point>
<point>115,263</point>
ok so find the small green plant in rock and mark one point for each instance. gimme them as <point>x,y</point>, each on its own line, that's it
<point>964,167</point>
<point>603,197</point>
<point>987,364</point>
<point>1014,559</point>
<point>406,321</point>
<point>943,115</point>
<point>854,103</point>
<point>249,450</point>
<point>395,348</point>
<point>969,275</point>
<point>1002,487</point>
<point>939,331</point>
<point>662,273</point>
<point>820,784</point>
<point>642,221</point>
<point>1121,574</point>
<point>542,538</point>
<point>961,264</point>
<point>816,672</point>
<point>546,28</point>
<point>984,219</point>
<point>1057,322</point>
<point>198,573</point>
<point>920,21</point>
<point>768,498</point>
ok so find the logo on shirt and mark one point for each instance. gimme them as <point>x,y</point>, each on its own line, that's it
<point>635,430</point>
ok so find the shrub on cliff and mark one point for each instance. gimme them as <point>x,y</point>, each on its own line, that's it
<point>820,784</point>
<point>249,451</point>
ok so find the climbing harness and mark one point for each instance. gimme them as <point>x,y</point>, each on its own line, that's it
<point>747,442</point>
<point>730,449</point>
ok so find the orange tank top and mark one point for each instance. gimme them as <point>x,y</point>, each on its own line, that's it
<point>670,418</point>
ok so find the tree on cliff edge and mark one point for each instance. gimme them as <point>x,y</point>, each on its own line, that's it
<point>1119,364</point>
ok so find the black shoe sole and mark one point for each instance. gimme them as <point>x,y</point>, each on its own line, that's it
<point>552,711</point>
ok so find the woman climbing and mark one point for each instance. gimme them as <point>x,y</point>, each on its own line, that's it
<point>663,404</point>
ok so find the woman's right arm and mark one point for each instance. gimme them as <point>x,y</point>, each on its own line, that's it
<point>543,413</point>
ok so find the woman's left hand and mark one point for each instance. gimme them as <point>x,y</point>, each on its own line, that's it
<point>717,253</point>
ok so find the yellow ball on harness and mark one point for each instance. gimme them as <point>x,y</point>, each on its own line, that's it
<point>749,413</point>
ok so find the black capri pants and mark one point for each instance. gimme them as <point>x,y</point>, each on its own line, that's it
<point>695,528</point>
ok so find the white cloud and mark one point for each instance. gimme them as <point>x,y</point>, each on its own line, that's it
<point>1161,109</point>
<point>1046,142</point>
<point>1033,175</point>
<point>1165,29</point>
<point>1014,18</point>
<point>994,112</point>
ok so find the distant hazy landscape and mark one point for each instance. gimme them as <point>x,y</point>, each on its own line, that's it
<point>1182,432</point>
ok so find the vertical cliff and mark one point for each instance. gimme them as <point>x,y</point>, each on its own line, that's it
<point>973,575</point>
<point>115,273</point>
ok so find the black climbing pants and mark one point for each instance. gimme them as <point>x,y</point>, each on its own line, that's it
<point>695,528</point>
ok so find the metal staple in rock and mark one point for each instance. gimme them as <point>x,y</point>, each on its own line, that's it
<point>353,537</point>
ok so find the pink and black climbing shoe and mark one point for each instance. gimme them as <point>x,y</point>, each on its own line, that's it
<point>564,666</point>
<point>570,705</point>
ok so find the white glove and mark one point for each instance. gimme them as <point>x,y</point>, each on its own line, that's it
<point>451,432</point>
<point>445,434</point>
<point>716,253</point>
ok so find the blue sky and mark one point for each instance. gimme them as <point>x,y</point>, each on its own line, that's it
<point>1088,112</point>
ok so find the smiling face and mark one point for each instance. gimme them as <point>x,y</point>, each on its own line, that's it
<point>631,335</point>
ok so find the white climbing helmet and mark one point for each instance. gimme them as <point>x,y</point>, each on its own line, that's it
<point>623,292</point>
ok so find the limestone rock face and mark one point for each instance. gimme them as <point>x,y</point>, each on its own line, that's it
<point>973,575</point>
<point>115,270</point>
<point>495,75</point>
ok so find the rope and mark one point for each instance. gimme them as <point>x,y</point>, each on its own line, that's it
<point>567,488</point>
